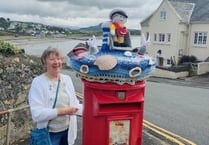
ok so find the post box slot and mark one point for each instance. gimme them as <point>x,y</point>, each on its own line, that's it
<point>120,107</point>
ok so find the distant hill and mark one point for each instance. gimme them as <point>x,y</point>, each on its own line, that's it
<point>98,28</point>
<point>93,28</point>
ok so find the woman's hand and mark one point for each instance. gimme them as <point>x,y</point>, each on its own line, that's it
<point>66,111</point>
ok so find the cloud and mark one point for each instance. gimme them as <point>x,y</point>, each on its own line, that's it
<point>80,13</point>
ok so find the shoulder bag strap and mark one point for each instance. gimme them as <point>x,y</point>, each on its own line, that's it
<point>58,84</point>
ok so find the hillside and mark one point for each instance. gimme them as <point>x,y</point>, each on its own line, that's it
<point>18,28</point>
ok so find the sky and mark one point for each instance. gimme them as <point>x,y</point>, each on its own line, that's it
<point>76,13</point>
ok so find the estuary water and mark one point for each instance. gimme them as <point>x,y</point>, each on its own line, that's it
<point>37,46</point>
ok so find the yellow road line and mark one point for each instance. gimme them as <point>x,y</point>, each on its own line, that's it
<point>168,132</point>
<point>164,135</point>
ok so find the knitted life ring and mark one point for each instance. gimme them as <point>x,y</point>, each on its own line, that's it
<point>84,69</point>
<point>134,72</point>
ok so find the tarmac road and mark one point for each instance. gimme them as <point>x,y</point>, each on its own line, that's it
<point>182,109</point>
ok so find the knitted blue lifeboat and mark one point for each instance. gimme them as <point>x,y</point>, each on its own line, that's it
<point>110,63</point>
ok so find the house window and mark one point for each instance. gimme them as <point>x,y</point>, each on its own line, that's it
<point>200,38</point>
<point>168,62</point>
<point>155,37</point>
<point>147,35</point>
<point>169,37</point>
<point>161,37</point>
<point>163,15</point>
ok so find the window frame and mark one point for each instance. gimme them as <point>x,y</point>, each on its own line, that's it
<point>200,38</point>
<point>168,37</point>
<point>161,38</point>
<point>163,15</point>
<point>155,37</point>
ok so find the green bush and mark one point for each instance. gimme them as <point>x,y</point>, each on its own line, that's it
<point>186,59</point>
<point>8,49</point>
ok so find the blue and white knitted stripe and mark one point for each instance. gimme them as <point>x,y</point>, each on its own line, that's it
<point>106,31</point>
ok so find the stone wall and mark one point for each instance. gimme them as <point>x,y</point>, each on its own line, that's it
<point>16,74</point>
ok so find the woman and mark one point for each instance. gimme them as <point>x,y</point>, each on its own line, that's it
<point>61,120</point>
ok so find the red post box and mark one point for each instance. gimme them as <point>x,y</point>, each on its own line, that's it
<point>113,114</point>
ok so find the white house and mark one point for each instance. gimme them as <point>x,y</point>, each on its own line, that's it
<point>177,28</point>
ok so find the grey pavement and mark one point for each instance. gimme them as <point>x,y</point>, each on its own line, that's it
<point>201,81</point>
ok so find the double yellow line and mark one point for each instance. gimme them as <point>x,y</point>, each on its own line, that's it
<point>169,136</point>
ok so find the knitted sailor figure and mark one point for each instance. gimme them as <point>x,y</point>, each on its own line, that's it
<point>117,28</point>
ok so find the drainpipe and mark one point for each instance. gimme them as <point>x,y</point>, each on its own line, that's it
<point>189,37</point>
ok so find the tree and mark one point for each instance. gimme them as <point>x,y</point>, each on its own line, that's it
<point>4,22</point>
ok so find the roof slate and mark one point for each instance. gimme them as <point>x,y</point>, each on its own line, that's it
<point>183,9</point>
<point>199,10</point>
